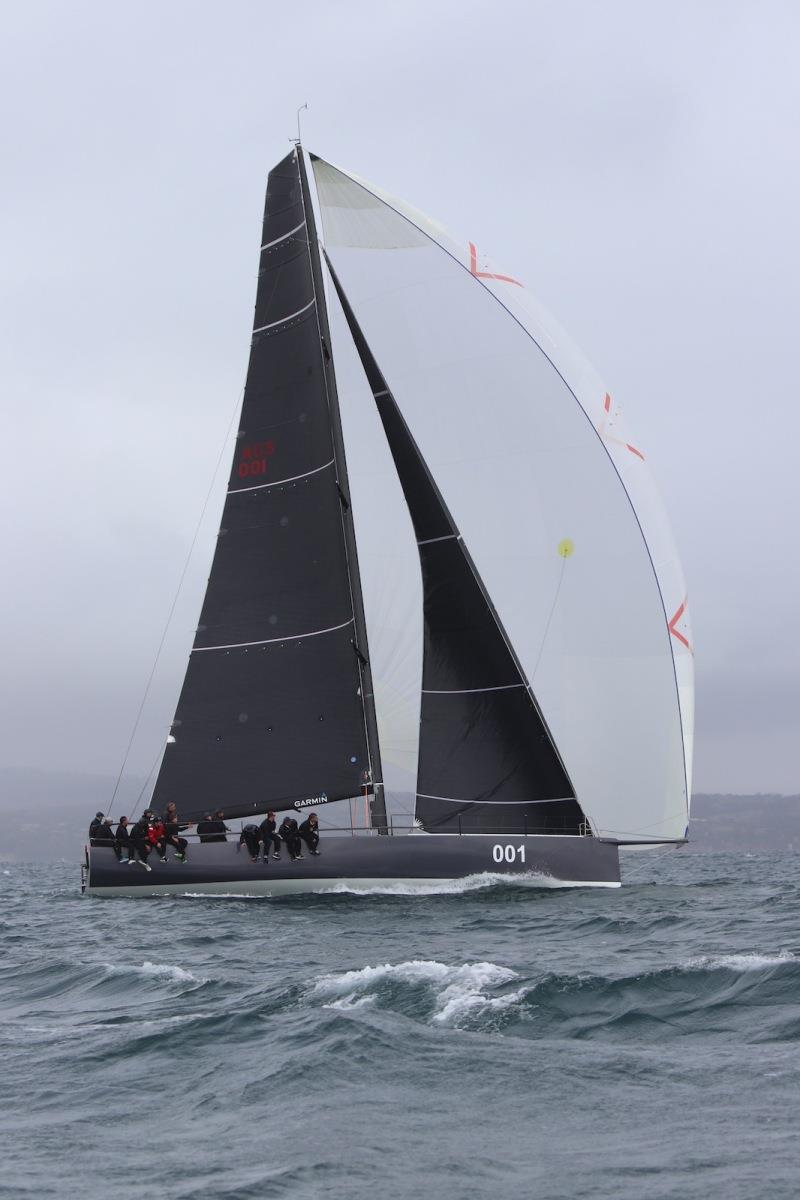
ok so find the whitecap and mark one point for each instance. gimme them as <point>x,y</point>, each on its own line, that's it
<point>742,962</point>
<point>456,1003</point>
<point>155,971</point>
<point>351,1003</point>
<point>458,991</point>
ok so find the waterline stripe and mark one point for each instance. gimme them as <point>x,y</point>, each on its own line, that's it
<point>291,637</point>
<point>290,317</point>
<point>275,482</point>
<point>283,237</point>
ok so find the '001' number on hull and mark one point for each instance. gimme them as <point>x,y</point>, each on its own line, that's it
<point>509,854</point>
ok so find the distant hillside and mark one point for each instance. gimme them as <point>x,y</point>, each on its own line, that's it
<point>45,815</point>
<point>762,822</point>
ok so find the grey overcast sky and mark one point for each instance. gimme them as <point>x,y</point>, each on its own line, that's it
<point>634,161</point>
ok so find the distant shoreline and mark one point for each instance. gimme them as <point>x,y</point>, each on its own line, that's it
<point>46,815</point>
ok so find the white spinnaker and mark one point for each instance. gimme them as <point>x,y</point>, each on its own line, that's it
<point>553,497</point>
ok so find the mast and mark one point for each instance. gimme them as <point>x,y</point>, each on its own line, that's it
<point>360,644</point>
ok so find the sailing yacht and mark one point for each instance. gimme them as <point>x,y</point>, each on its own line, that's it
<point>442,567</point>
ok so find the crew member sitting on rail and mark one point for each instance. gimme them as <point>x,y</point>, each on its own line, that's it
<point>173,829</point>
<point>157,836</point>
<point>219,827</point>
<point>288,833</point>
<point>140,840</point>
<point>309,832</point>
<point>94,827</point>
<point>251,838</point>
<point>104,834</point>
<point>213,828</point>
<point>269,837</point>
<point>123,840</point>
<point>205,829</point>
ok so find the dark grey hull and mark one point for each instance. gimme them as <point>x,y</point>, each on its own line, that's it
<point>362,863</point>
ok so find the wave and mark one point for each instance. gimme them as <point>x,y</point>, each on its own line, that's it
<point>447,994</point>
<point>150,970</point>
<point>132,1027</point>
<point>741,962</point>
<point>216,896</point>
<point>441,887</point>
<point>479,996</point>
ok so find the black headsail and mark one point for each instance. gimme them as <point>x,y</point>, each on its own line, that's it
<point>487,762</point>
<point>276,709</point>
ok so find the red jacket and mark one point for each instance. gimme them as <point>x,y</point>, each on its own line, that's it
<point>155,833</point>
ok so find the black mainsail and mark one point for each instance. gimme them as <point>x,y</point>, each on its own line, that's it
<point>487,762</point>
<point>276,709</point>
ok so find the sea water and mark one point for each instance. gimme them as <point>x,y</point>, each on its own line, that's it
<point>499,1041</point>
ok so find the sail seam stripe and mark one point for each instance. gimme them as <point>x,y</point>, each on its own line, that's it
<point>290,317</point>
<point>452,800</point>
<point>504,687</point>
<point>283,236</point>
<point>289,637</point>
<point>257,487</point>
<point>448,537</point>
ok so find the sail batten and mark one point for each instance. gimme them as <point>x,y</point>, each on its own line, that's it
<point>283,320</point>
<point>259,487</point>
<point>284,236</point>
<point>271,641</point>
<point>503,687</point>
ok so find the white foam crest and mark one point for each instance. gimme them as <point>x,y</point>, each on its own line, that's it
<point>459,991</point>
<point>216,896</point>
<point>742,962</point>
<point>351,1003</point>
<point>414,971</point>
<point>155,971</point>
<point>457,1002</point>
<point>439,887</point>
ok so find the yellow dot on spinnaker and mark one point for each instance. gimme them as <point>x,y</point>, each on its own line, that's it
<point>566,547</point>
